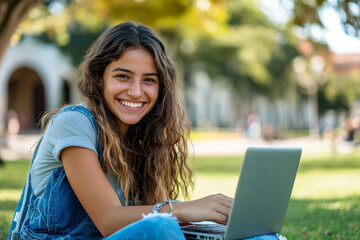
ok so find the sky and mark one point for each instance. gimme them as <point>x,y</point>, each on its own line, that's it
<point>338,41</point>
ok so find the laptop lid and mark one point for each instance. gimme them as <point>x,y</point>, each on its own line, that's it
<point>263,192</point>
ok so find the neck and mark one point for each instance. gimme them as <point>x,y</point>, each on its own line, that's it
<point>123,128</point>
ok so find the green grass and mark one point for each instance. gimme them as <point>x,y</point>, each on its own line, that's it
<point>12,179</point>
<point>325,202</point>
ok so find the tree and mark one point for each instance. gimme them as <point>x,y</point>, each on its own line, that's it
<point>12,13</point>
<point>59,17</point>
<point>306,13</point>
<point>253,54</point>
<point>339,92</point>
<point>64,20</point>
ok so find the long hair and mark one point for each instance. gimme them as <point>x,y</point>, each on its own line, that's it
<point>150,160</point>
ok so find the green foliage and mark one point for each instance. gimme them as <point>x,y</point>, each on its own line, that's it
<point>338,102</point>
<point>245,12</point>
<point>57,17</point>
<point>80,39</point>
<point>252,55</point>
<point>306,13</point>
<point>339,92</point>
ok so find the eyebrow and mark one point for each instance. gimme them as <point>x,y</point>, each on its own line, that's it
<point>131,72</point>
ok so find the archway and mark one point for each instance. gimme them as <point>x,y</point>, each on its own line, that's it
<point>26,98</point>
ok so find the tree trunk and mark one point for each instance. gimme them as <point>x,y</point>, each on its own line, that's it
<point>12,13</point>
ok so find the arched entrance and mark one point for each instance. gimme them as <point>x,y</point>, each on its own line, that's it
<point>26,98</point>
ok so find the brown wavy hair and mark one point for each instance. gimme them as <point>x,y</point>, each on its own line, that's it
<point>150,160</point>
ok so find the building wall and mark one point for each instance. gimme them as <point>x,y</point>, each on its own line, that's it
<point>32,76</point>
<point>345,63</point>
<point>209,103</point>
<point>212,103</point>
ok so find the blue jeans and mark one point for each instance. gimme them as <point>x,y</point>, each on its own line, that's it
<point>160,227</point>
<point>264,237</point>
<point>156,227</point>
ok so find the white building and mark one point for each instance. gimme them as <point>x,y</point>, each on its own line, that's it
<point>214,103</point>
<point>34,78</point>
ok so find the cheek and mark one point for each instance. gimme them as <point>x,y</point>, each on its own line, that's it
<point>111,88</point>
<point>152,92</point>
<point>108,93</point>
<point>156,94</point>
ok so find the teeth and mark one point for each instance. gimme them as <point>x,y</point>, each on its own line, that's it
<point>131,104</point>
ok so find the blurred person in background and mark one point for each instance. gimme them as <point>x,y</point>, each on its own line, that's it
<point>352,127</point>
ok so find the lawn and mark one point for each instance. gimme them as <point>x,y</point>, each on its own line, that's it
<point>325,203</point>
<point>12,179</point>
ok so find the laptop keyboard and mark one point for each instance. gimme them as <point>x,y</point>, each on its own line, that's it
<point>206,228</point>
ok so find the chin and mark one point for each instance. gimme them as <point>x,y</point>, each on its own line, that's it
<point>131,122</point>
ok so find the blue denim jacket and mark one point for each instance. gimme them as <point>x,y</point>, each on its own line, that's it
<point>57,214</point>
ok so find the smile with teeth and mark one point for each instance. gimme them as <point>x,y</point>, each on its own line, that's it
<point>131,104</point>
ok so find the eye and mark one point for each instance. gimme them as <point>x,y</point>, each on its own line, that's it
<point>122,76</point>
<point>150,80</point>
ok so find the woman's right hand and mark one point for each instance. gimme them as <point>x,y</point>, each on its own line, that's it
<point>211,208</point>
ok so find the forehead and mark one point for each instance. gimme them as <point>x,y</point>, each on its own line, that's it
<point>139,59</point>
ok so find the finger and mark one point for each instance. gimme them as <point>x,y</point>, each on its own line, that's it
<point>228,202</point>
<point>222,196</point>
<point>220,218</point>
<point>224,210</point>
<point>224,200</point>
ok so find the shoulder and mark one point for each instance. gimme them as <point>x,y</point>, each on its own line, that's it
<point>75,113</point>
<point>71,126</point>
<point>70,121</point>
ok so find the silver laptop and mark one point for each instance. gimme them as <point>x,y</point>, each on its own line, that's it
<point>263,192</point>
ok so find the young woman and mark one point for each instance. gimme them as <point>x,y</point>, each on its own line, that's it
<point>101,166</point>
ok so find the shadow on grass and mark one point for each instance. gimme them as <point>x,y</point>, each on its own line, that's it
<point>232,164</point>
<point>323,219</point>
<point>331,164</point>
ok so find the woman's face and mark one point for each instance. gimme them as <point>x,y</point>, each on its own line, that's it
<point>131,86</point>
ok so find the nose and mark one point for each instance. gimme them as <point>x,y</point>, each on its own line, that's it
<point>135,89</point>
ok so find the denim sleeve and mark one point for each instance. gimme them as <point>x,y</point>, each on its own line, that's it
<point>71,129</point>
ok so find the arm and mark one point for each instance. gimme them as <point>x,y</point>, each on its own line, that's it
<point>100,201</point>
<point>95,193</point>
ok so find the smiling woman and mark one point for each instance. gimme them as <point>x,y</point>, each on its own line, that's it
<point>100,166</point>
<point>131,86</point>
